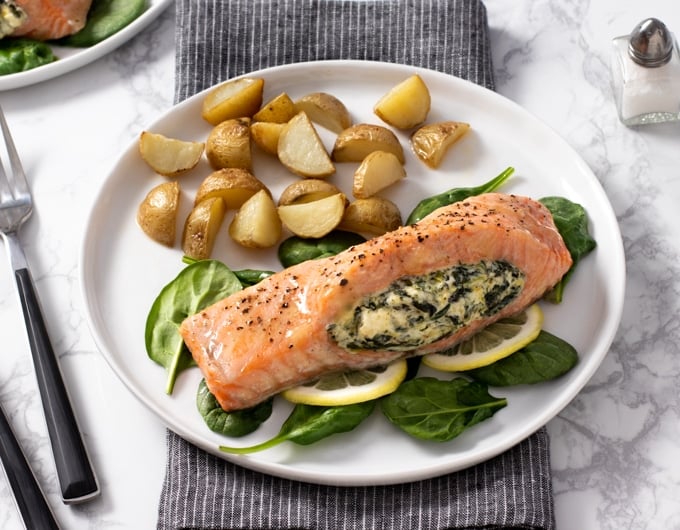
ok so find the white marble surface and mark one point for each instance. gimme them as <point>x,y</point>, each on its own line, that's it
<point>615,448</point>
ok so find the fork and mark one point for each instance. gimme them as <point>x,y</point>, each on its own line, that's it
<point>74,470</point>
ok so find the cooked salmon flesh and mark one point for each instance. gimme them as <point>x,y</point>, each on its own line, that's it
<point>52,19</point>
<point>420,289</point>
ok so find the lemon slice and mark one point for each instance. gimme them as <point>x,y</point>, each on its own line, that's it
<point>494,342</point>
<point>350,387</point>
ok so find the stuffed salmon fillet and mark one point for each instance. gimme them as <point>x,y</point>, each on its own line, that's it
<point>416,290</point>
<point>52,19</point>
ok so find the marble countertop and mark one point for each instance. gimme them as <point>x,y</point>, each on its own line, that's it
<point>615,448</point>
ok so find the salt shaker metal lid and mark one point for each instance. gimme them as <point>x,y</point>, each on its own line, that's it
<point>651,44</point>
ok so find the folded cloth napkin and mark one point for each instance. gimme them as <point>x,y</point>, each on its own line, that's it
<point>219,39</point>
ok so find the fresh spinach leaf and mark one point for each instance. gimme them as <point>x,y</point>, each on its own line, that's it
<point>236,423</point>
<point>571,220</point>
<point>296,249</point>
<point>430,204</point>
<point>546,358</point>
<point>308,424</point>
<point>432,409</point>
<point>197,286</point>
<point>249,277</point>
<point>105,18</point>
<point>20,54</point>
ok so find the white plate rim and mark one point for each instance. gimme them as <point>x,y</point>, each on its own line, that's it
<point>615,296</point>
<point>79,57</point>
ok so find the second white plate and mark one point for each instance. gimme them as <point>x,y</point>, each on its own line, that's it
<point>70,59</point>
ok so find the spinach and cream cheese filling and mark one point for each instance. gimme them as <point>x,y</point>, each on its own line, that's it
<point>418,310</point>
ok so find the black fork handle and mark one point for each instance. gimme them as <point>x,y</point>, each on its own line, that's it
<point>74,470</point>
<point>34,509</point>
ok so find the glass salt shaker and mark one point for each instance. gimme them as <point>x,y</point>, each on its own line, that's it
<point>646,74</point>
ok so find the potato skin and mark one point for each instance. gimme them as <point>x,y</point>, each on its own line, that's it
<point>201,227</point>
<point>431,142</point>
<point>234,185</point>
<point>307,190</point>
<point>228,144</point>
<point>326,110</point>
<point>374,215</point>
<point>356,142</point>
<point>157,214</point>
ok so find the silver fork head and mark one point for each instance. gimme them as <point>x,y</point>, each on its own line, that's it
<point>15,197</point>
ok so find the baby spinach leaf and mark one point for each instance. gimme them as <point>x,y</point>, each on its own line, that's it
<point>105,18</point>
<point>21,54</point>
<point>236,423</point>
<point>308,424</point>
<point>546,358</point>
<point>296,249</point>
<point>571,221</point>
<point>432,409</point>
<point>249,277</point>
<point>197,286</point>
<point>430,204</point>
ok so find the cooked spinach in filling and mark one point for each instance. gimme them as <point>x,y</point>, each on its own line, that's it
<point>419,310</point>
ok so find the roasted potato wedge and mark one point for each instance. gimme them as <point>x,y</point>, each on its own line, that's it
<point>234,185</point>
<point>431,142</point>
<point>157,214</point>
<point>257,223</point>
<point>266,134</point>
<point>406,105</point>
<point>376,172</point>
<point>307,190</point>
<point>278,110</point>
<point>374,215</point>
<point>301,150</point>
<point>169,156</point>
<point>326,110</point>
<point>236,98</point>
<point>201,227</point>
<point>313,219</point>
<point>228,144</point>
<point>356,142</point>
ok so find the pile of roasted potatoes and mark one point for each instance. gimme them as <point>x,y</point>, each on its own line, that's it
<point>311,206</point>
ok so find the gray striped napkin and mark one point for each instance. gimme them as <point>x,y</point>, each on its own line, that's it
<point>218,39</point>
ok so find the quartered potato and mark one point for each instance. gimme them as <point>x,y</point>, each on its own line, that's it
<point>236,98</point>
<point>228,144</point>
<point>358,141</point>
<point>301,150</point>
<point>326,110</point>
<point>257,223</point>
<point>406,105</point>
<point>278,110</point>
<point>374,215</point>
<point>376,172</point>
<point>157,214</point>
<point>234,185</point>
<point>266,135</point>
<point>307,190</point>
<point>313,219</point>
<point>201,227</point>
<point>431,142</point>
<point>169,156</point>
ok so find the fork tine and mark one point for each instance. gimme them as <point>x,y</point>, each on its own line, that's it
<point>13,184</point>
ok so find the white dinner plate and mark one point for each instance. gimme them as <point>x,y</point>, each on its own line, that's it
<point>70,58</point>
<point>122,271</point>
